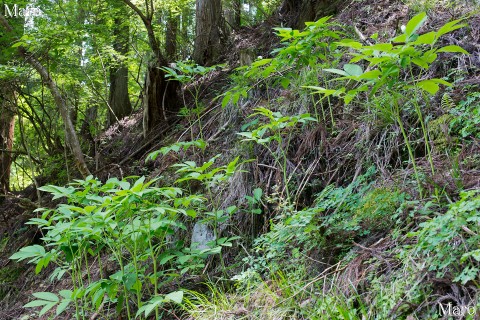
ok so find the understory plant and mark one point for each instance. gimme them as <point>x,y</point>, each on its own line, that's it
<point>398,70</point>
<point>118,241</point>
<point>449,241</point>
<point>189,74</point>
<point>278,128</point>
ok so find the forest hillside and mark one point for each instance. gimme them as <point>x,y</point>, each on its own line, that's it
<point>239,159</point>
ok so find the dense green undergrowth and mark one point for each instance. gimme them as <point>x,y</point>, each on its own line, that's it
<point>388,242</point>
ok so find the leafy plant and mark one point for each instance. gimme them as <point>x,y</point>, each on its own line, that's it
<point>311,48</point>
<point>383,70</point>
<point>187,73</point>
<point>134,223</point>
<point>449,241</point>
<point>466,121</point>
<point>275,129</point>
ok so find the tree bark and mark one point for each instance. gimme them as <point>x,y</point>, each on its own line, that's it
<point>209,32</point>
<point>70,135</point>
<point>160,96</point>
<point>159,92</point>
<point>233,15</point>
<point>7,126</point>
<point>237,13</point>
<point>171,36</point>
<point>296,12</point>
<point>119,100</point>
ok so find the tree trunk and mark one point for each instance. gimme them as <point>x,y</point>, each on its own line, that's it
<point>296,12</point>
<point>70,135</point>
<point>237,13</point>
<point>171,36</point>
<point>233,15</point>
<point>160,99</point>
<point>7,126</point>
<point>119,100</point>
<point>209,31</point>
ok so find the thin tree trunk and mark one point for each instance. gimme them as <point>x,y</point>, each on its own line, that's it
<point>209,36</point>
<point>119,100</point>
<point>70,135</point>
<point>233,15</point>
<point>237,13</point>
<point>7,126</point>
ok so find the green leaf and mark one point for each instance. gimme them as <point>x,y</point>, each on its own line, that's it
<point>453,48</point>
<point>46,296</point>
<point>431,85</point>
<point>176,296</point>
<point>28,252</point>
<point>47,308</point>
<point>353,69</point>
<point>415,23</point>
<point>36,303</point>
<point>149,306</point>
<point>337,71</point>
<point>426,38</point>
<point>62,306</point>
<point>261,62</point>
<point>257,194</point>
<point>449,27</point>
<point>166,258</point>
<point>285,82</point>
<point>226,99</point>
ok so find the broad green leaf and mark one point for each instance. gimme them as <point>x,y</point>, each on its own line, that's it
<point>46,308</point>
<point>337,71</point>
<point>62,306</point>
<point>48,296</point>
<point>429,56</point>
<point>226,99</point>
<point>453,48</point>
<point>257,194</point>
<point>373,74</point>
<point>36,303</point>
<point>285,82</point>
<point>420,62</point>
<point>28,252</point>
<point>415,23</point>
<point>326,92</point>
<point>350,44</point>
<point>166,258</point>
<point>353,69</point>
<point>449,27</point>
<point>386,47</point>
<point>426,38</point>
<point>261,62</point>
<point>176,296</point>
<point>431,85</point>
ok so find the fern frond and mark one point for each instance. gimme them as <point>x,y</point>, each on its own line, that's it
<point>447,102</point>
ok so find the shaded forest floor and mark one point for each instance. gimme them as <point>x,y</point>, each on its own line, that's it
<point>361,270</point>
